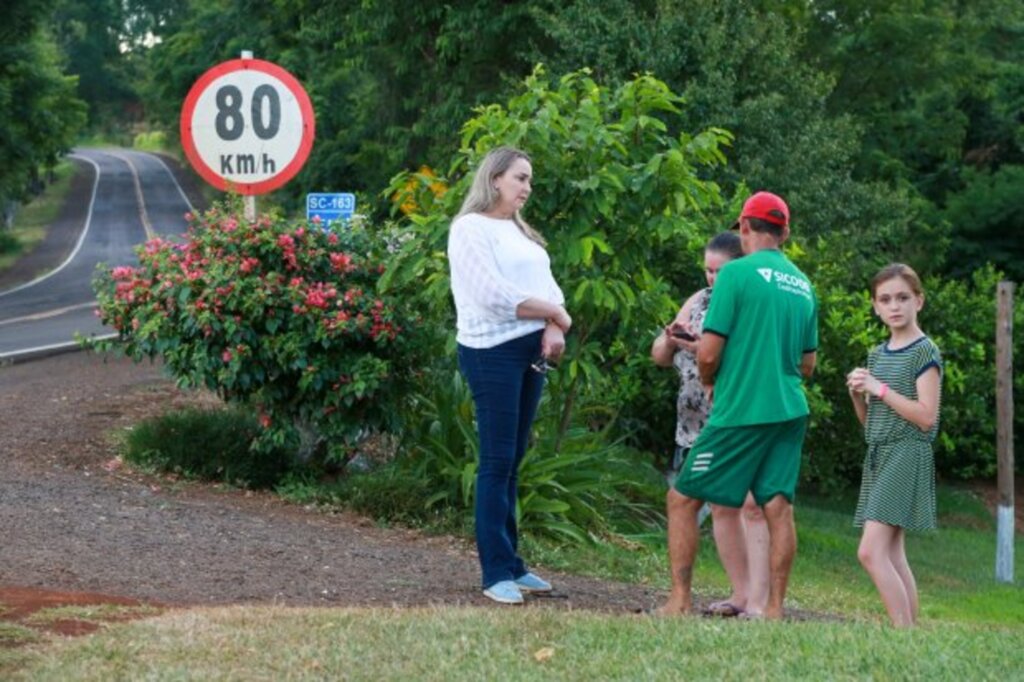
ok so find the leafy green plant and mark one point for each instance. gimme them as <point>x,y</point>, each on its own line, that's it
<point>280,315</point>
<point>590,487</point>
<point>587,487</point>
<point>441,443</point>
<point>208,444</point>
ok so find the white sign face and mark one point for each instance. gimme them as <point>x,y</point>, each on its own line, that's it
<point>247,125</point>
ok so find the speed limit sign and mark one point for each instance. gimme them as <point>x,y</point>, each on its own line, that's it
<point>247,126</point>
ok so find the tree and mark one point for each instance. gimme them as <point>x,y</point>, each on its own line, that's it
<point>936,87</point>
<point>40,116</point>
<point>616,195</point>
<point>740,67</point>
<point>89,34</point>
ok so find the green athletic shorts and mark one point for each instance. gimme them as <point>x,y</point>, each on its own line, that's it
<point>727,461</point>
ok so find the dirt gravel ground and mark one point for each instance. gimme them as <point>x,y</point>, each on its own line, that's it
<point>68,523</point>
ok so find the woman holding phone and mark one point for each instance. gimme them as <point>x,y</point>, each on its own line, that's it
<point>741,535</point>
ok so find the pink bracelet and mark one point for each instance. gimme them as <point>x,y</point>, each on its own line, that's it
<point>882,391</point>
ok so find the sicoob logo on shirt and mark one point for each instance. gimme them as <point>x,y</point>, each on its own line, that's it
<point>786,282</point>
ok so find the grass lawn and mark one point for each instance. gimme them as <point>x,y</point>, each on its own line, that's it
<point>954,567</point>
<point>513,644</point>
<point>32,219</point>
<point>971,628</point>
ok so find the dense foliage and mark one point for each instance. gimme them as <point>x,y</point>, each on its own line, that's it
<point>40,115</point>
<point>617,197</point>
<point>615,260</point>
<point>894,129</point>
<point>210,445</point>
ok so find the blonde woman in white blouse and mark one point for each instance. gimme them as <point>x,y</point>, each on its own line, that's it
<point>511,320</point>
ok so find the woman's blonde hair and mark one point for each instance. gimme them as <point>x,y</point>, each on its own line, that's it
<point>482,196</point>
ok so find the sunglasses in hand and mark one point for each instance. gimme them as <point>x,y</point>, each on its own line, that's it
<point>541,365</point>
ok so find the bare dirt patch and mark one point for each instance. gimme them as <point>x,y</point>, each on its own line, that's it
<point>23,606</point>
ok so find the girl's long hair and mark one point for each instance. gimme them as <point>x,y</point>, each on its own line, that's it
<point>482,196</point>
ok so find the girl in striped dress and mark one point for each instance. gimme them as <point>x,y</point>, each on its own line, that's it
<point>896,397</point>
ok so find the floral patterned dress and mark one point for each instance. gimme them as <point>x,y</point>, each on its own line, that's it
<point>692,405</point>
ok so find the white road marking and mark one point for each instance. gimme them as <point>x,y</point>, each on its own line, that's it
<point>13,355</point>
<point>81,237</point>
<point>48,313</point>
<point>174,180</point>
<point>139,198</point>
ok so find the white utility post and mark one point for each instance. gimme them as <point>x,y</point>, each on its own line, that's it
<point>1004,432</point>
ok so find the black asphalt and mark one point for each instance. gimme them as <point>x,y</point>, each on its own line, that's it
<point>128,190</point>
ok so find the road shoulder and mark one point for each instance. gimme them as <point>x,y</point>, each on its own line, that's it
<point>60,236</point>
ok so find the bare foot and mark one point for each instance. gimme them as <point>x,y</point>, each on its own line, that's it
<point>675,606</point>
<point>772,614</point>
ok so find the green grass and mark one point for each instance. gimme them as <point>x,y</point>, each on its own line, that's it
<point>14,634</point>
<point>954,567</point>
<point>96,613</point>
<point>153,141</point>
<point>514,644</point>
<point>32,220</point>
<point>211,444</point>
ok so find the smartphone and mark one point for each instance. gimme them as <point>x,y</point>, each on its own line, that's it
<point>683,334</point>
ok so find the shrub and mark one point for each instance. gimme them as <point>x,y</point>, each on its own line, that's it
<point>8,242</point>
<point>278,315</point>
<point>208,444</point>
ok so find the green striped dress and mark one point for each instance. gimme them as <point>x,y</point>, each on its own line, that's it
<point>898,485</point>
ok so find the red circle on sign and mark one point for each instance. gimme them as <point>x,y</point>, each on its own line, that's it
<point>290,169</point>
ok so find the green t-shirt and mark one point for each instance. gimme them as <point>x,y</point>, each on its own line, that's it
<point>767,312</point>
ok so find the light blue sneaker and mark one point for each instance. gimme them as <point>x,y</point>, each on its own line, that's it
<point>531,583</point>
<point>504,592</point>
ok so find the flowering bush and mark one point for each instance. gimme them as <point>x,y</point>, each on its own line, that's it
<point>280,315</point>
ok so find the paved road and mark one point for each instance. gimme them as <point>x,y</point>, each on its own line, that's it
<point>134,196</point>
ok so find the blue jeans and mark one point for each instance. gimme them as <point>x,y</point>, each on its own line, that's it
<point>506,391</point>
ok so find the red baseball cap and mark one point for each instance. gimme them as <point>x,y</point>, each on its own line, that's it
<point>766,206</point>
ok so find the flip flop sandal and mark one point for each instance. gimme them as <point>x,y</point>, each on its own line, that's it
<point>724,609</point>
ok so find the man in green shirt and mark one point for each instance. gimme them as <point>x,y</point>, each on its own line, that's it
<point>759,343</point>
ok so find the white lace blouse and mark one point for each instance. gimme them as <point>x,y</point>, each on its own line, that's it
<point>495,267</point>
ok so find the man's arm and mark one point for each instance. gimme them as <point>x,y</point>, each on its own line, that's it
<point>709,356</point>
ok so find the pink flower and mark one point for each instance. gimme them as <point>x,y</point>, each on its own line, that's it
<point>249,264</point>
<point>340,262</point>
<point>226,356</point>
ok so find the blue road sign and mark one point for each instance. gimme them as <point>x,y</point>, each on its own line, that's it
<point>330,207</point>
